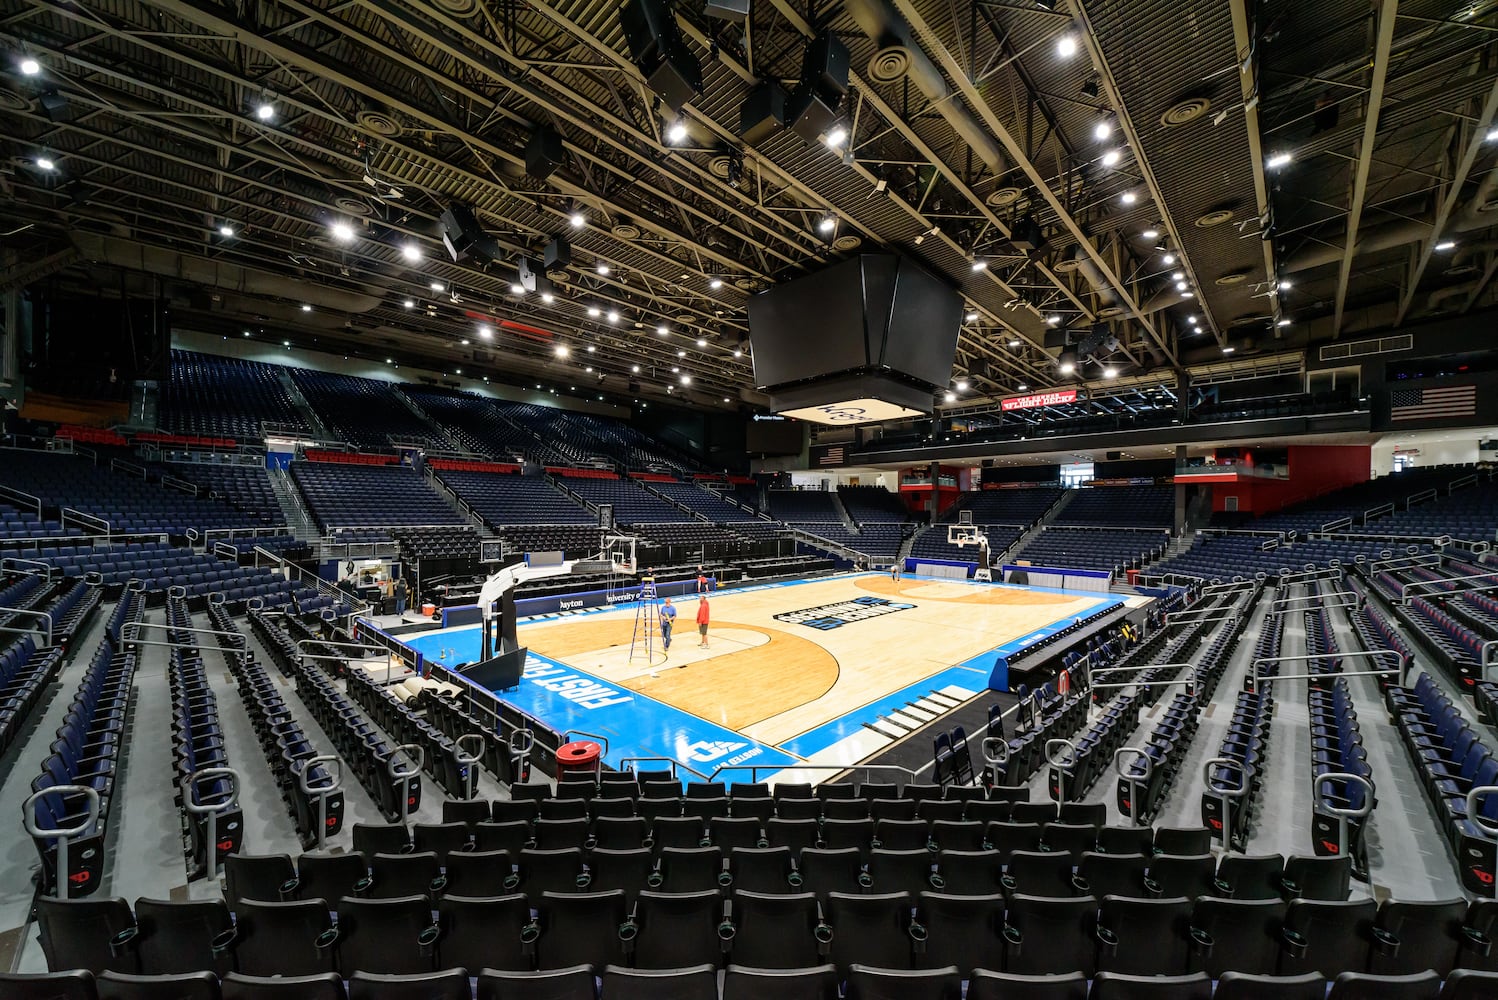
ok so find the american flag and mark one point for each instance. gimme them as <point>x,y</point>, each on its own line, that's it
<point>832,456</point>
<point>1432,404</point>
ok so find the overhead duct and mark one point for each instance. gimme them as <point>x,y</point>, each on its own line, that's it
<point>217,274</point>
<point>900,56</point>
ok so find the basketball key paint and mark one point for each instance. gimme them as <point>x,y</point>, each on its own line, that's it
<point>578,688</point>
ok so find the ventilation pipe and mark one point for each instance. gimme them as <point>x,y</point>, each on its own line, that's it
<point>901,57</point>
<point>217,274</point>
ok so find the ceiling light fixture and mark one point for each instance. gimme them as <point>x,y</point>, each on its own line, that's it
<point>1111,158</point>
<point>1067,362</point>
<point>681,354</point>
<point>972,317</point>
<point>686,380</point>
<point>1128,197</point>
<point>1102,130</point>
<point>1284,285</point>
<point>1492,135</point>
<point>1066,46</point>
<point>1284,322</point>
<point>962,385</point>
<point>1446,245</point>
<point>676,133</point>
<point>837,136</point>
<point>979,265</point>
<point>1053,320</point>
<point>1015,342</point>
<point>46,163</point>
<point>592,348</point>
<point>1168,259</point>
<point>548,298</point>
<point>827,223</point>
<point>410,303</point>
<point>1110,372</point>
<point>715,283</point>
<point>517,289</point>
<point>663,329</point>
<point>411,252</point>
<point>1021,387</point>
<point>30,66</point>
<point>265,111</point>
<point>594,312</point>
<point>562,351</point>
<point>486,331</point>
<point>577,219</point>
<point>1151,233</point>
<point>602,268</point>
<point>1277,160</point>
<point>701,341</point>
<point>612,317</point>
<point>738,353</point>
<point>226,230</point>
<point>437,286</point>
<point>343,232</point>
<point>1181,286</point>
<point>1229,349</point>
<point>950,397</point>
<point>306,308</point>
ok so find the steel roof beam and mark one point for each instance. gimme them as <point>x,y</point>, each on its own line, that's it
<point>1388,10</point>
<point>1017,154</point>
<point>1453,196</point>
<point>1249,86</point>
<point>1157,194</point>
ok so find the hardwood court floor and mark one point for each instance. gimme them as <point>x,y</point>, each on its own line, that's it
<point>773,679</point>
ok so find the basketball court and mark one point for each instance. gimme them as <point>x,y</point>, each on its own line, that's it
<point>822,671</point>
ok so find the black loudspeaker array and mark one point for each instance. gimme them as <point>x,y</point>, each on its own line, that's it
<point>461,232</point>
<point>812,108</point>
<point>727,10</point>
<point>659,52</point>
<point>543,154</point>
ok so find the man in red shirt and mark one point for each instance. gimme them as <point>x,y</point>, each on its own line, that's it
<point>702,617</point>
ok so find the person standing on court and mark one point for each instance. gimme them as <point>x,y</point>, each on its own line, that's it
<point>668,619</point>
<point>894,571</point>
<point>400,596</point>
<point>702,617</point>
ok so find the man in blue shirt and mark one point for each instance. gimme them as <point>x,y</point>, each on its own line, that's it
<point>668,619</point>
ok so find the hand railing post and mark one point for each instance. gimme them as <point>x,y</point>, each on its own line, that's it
<point>62,835</point>
<point>1126,775</point>
<point>469,760</point>
<point>210,813</point>
<point>335,781</point>
<point>417,756</point>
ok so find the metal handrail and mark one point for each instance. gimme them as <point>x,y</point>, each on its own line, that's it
<point>210,811</point>
<point>45,615</point>
<point>1255,675</point>
<point>335,782</point>
<point>416,755</point>
<point>627,764</point>
<point>602,741</point>
<point>754,769</point>
<point>1310,574</point>
<point>16,563</point>
<point>1482,823</point>
<point>1405,595</point>
<point>1319,601</point>
<point>1188,682</point>
<point>1132,779</point>
<point>1348,778</point>
<point>63,835</point>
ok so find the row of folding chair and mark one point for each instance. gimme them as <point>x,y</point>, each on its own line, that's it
<point>87,752</point>
<point>198,746</point>
<point>313,797</point>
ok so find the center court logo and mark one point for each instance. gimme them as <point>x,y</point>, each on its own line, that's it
<point>831,616</point>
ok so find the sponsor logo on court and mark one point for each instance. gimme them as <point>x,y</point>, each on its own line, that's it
<point>580,689</point>
<point>831,616</point>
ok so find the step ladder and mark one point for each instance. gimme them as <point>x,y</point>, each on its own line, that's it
<point>643,642</point>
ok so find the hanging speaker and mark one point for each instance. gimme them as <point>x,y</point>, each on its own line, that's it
<point>736,11</point>
<point>659,52</point>
<point>825,65</point>
<point>762,113</point>
<point>543,154</point>
<point>461,232</point>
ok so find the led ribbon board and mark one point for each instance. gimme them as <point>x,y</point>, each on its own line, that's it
<point>1030,402</point>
